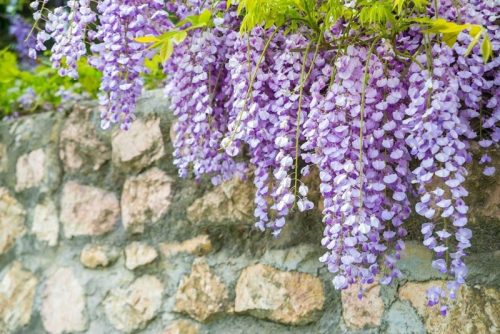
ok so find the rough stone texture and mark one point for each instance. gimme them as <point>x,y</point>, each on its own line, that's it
<point>3,158</point>
<point>182,327</point>
<point>138,254</point>
<point>476,309</point>
<point>12,217</point>
<point>232,200</point>
<point>131,308</point>
<point>366,312</point>
<point>87,210</point>
<point>491,208</point>
<point>401,318</point>
<point>145,199</point>
<point>80,146</point>
<point>30,169</point>
<point>416,262</point>
<point>17,292</point>
<point>202,294</point>
<point>201,245</point>
<point>138,147</point>
<point>63,303</point>
<point>46,222</point>
<point>287,297</point>
<point>93,255</point>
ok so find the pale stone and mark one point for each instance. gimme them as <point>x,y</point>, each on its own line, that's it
<point>138,254</point>
<point>17,291</point>
<point>172,133</point>
<point>139,146</point>
<point>30,169</point>
<point>63,303</point>
<point>366,312</point>
<point>182,327</point>
<point>93,256</point>
<point>86,210</point>
<point>131,308</point>
<point>12,217</point>
<point>46,222</point>
<point>200,245</point>
<point>290,298</point>
<point>232,201</point>
<point>202,294</point>
<point>476,309</point>
<point>80,147</point>
<point>145,199</point>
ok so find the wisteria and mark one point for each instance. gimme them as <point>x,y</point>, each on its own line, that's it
<point>386,120</point>
<point>114,50</point>
<point>20,29</point>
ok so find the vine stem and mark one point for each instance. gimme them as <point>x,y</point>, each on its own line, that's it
<point>35,24</point>
<point>303,79</point>
<point>362,121</point>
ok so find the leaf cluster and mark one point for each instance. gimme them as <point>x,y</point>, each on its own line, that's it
<point>377,18</point>
<point>166,41</point>
<point>451,30</point>
<point>278,13</point>
<point>43,80</point>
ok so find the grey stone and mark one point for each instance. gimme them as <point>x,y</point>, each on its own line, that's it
<point>401,318</point>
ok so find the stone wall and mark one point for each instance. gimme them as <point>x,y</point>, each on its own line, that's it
<point>98,235</point>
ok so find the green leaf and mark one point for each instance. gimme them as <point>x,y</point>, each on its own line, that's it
<point>421,4</point>
<point>179,36</point>
<point>399,5</point>
<point>473,43</point>
<point>450,38</point>
<point>197,21</point>
<point>486,49</point>
<point>166,51</point>
<point>475,29</point>
<point>146,39</point>
<point>204,17</point>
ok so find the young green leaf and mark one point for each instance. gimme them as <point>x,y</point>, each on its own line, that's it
<point>486,49</point>
<point>473,43</point>
<point>147,39</point>
<point>166,51</point>
<point>399,5</point>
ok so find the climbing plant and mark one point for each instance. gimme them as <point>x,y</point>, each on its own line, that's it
<point>384,98</point>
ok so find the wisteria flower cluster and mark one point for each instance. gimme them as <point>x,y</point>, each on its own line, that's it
<point>110,32</point>
<point>20,29</point>
<point>361,116</point>
<point>382,114</point>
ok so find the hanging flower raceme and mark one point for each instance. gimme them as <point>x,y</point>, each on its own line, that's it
<point>20,29</point>
<point>120,57</point>
<point>66,27</point>
<point>71,31</point>
<point>199,74</point>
